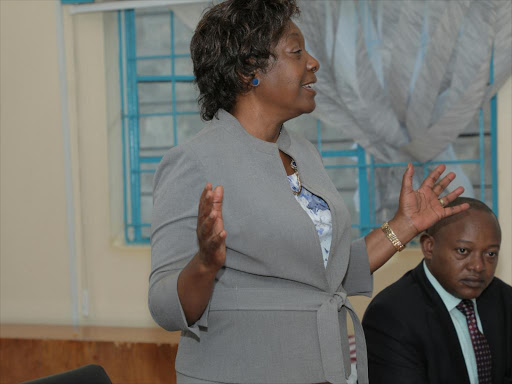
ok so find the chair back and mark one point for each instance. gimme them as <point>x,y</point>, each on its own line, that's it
<point>88,374</point>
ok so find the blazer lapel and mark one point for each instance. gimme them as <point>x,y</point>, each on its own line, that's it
<point>319,184</point>
<point>287,144</point>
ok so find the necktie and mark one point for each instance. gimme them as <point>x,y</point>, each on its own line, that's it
<point>480,345</point>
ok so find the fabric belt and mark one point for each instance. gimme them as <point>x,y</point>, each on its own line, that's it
<point>331,311</point>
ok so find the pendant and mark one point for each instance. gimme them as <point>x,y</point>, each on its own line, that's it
<point>293,164</point>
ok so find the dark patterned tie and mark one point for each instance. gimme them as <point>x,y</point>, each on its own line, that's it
<point>480,345</point>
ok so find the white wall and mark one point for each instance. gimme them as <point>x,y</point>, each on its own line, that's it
<point>504,270</point>
<point>34,281</point>
<point>115,277</point>
<point>34,273</point>
<point>35,284</point>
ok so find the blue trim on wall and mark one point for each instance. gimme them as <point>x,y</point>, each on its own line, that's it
<point>123,122</point>
<point>494,139</point>
<point>133,123</point>
<point>364,194</point>
<point>482,154</point>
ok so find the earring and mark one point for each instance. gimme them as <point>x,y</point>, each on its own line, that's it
<point>255,82</point>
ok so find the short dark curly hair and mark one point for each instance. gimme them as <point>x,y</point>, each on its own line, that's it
<point>233,40</point>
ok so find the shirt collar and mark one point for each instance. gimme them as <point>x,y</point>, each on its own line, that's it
<point>448,299</point>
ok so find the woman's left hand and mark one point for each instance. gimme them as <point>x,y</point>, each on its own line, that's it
<point>421,208</point>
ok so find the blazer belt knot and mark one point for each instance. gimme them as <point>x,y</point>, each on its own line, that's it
<point>339,298</point>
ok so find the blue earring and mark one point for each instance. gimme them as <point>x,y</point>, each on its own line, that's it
<point>255,81</point>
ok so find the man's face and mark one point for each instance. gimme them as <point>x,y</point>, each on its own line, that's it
<point>463,254</point>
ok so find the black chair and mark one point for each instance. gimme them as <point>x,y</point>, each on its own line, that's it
<point>88,374</point>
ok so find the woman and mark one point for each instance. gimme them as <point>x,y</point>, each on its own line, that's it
<point>242,274</point>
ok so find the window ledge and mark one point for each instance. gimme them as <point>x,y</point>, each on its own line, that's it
<point>118,243</point>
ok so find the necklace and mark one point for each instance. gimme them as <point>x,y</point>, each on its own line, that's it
<point>293,164</point>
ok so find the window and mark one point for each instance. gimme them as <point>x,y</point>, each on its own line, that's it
<point>159,110</point>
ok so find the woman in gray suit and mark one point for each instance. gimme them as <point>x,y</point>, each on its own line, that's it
<point>257,276</point>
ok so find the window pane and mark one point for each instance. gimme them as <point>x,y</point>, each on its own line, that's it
<point>153,32</point>
<point>146,205</point>
<point>182,37</point>
<point>146,179</point>
<point>155,98</point>
<point>186,97</point>
<point>183,66</point>
<point>188,126</point>
<point>156,131</point>
<point>154,67</point>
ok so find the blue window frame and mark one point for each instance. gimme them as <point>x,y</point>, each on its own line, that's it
<point>158,107</point>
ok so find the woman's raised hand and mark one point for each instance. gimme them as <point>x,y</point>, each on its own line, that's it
<point>421,208</point>
<point>197,279</point>
<point>210,228</point>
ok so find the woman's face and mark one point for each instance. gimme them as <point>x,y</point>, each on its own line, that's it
<point>286,89</point>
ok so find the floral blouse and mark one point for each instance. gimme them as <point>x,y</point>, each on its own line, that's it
<point>318,211</point>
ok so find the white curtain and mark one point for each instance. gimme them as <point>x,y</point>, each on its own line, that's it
<point>404,78</point>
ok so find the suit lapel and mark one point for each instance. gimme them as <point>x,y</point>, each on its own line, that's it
<point>441,324</point>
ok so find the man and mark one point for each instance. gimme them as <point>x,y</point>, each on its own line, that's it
<point>449,320</point>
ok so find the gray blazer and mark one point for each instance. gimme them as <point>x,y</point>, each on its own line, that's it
<point>276,314</point>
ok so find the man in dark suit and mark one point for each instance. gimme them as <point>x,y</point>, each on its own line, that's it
<point>449,320</point>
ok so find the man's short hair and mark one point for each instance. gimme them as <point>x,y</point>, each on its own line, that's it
<point>473,204</point>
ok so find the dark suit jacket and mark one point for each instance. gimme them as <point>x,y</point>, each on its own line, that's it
<point>411,337</point>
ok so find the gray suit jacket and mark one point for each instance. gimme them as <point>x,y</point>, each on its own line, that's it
<point>276,314</point>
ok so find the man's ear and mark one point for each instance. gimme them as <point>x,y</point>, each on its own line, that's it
<point>427,245</point>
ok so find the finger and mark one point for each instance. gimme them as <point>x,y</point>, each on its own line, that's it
<point>441,186</point>
<point>207,205</point>
<point>218,197</point>
<point>202,199</point>
<point>208,201</point>
<point>453,195</point>
<point>455,209</point>
<point>431,179</point>
<point>407,180</point>
<point>218,225</point>
<point>216,241</point>
<point>205,228</point>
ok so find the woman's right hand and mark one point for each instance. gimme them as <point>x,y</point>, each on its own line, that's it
<point>197,279</point>
<point>210,228</point>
